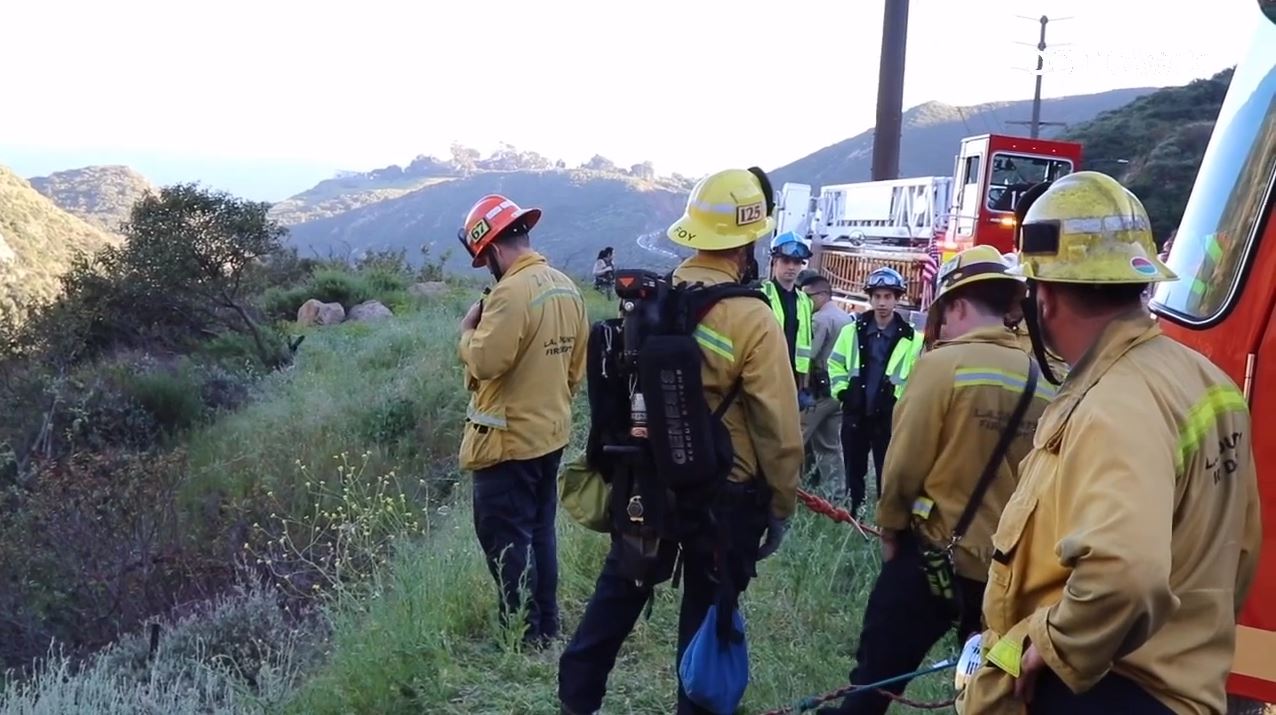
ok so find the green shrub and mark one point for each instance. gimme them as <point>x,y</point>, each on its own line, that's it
<point>336,286</point>
<point>390,420</point>
<point>381,281</point>
<point>172,397</point>
<point>279,303</point>
<point>94,544</point>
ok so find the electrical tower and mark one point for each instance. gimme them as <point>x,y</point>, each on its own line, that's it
<point>1036,122</point>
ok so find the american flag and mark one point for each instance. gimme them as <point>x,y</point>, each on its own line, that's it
<point>930,269</point>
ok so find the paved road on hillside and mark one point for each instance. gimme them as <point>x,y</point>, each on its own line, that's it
<point>651,242</point>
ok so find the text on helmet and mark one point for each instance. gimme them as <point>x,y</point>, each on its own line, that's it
<point>750,213</point>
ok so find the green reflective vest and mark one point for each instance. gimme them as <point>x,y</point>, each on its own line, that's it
<point>802,351</point>
<point>844,361</point>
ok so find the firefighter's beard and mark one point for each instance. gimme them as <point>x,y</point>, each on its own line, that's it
<point>751,271</point>
<point>494,267</point>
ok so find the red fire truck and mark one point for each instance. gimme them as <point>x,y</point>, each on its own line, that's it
<point>1223,305</point>
<point>855,228</point>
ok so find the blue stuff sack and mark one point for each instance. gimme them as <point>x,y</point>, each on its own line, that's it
<point>715,673</point>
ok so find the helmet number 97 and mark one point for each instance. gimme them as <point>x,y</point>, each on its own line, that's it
<point>749,213</point>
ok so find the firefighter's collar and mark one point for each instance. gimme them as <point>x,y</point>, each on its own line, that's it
<point>531,258</point>
<point>1123,334</point>
<point>993,334</point>
<point>726,266</point>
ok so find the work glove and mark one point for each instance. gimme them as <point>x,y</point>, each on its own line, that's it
<point>775,529</point>
<point>805,400</point>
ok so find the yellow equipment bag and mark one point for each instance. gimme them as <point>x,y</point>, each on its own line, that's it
<point>585,495</point>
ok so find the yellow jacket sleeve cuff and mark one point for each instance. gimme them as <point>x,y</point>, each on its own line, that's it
<point>1039,635</point>
<point>891,518</point>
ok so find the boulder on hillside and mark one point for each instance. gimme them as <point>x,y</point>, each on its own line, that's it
<point>314,312</point>
<point>369,311</point>
<point>428,289</point>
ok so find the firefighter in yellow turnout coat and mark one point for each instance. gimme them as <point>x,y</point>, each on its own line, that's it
<point>523,349</point>
<point>741,344</point>
<point>959,400</point>
<point>1121,561</point>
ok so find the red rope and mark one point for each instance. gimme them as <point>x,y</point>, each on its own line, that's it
<point>836,513</point>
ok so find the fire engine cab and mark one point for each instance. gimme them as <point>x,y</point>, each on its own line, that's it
<point>909,223</point>
<point>1224,305</point>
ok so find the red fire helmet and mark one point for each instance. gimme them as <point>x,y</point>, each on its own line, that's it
<point>490,218</point>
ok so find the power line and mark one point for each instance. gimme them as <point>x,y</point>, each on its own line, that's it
<point>1036,123</point>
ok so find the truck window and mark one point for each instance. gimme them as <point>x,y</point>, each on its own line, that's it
<point>1013,174</point>
<point>970,171</point>
<point>1232,191</point>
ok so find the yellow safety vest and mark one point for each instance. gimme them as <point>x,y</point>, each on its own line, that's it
<point>802,351</point>
<point>844,361</point>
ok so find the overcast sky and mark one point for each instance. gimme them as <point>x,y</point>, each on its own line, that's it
<point>692,85</point>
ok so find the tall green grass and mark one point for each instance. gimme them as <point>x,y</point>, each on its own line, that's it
<point>422,636</point>
<point>431,642</point>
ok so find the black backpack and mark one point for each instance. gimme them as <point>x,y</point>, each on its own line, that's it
<point>687,454</point>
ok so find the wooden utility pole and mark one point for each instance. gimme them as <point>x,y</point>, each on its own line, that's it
<point>890,91</point>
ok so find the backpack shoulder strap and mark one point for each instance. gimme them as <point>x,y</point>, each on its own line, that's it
<point>998,453</point>
<point>699,300</point>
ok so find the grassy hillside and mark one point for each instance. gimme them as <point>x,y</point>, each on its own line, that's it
<point>101,195</point>
<point>359,438</point>
<point>585,210</point>
<point>933,131</point>
<point>37,243</point>
<point>1163,137</point>
<point>301,541</point>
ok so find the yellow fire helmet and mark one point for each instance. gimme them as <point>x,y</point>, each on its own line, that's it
<point>1088,228</point>
<point>979,263</point>
<point>725,210</point>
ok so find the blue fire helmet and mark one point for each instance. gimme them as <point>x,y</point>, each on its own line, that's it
<point>789,245</point>
<point>885,278</point>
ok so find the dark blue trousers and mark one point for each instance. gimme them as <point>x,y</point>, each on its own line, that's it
<point>514,509</point>
<point>617,602</point>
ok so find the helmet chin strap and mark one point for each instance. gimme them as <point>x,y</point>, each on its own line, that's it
<point>1032,318</point>
<point>493,266</point>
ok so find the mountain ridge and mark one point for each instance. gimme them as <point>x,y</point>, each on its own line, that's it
<point>38,242</point>
<point>102,195</point>
<point>932,132</point>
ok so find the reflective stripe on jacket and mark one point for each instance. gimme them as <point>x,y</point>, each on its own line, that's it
<point>960,395</point>
<point>1132,539</point>
<point>740,338</point>
<point>845,363</point>
<point>802,351</point>
<point>523,364</point>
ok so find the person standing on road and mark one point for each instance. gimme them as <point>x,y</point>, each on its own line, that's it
<point>822,422</point>
<point>523,348</point>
